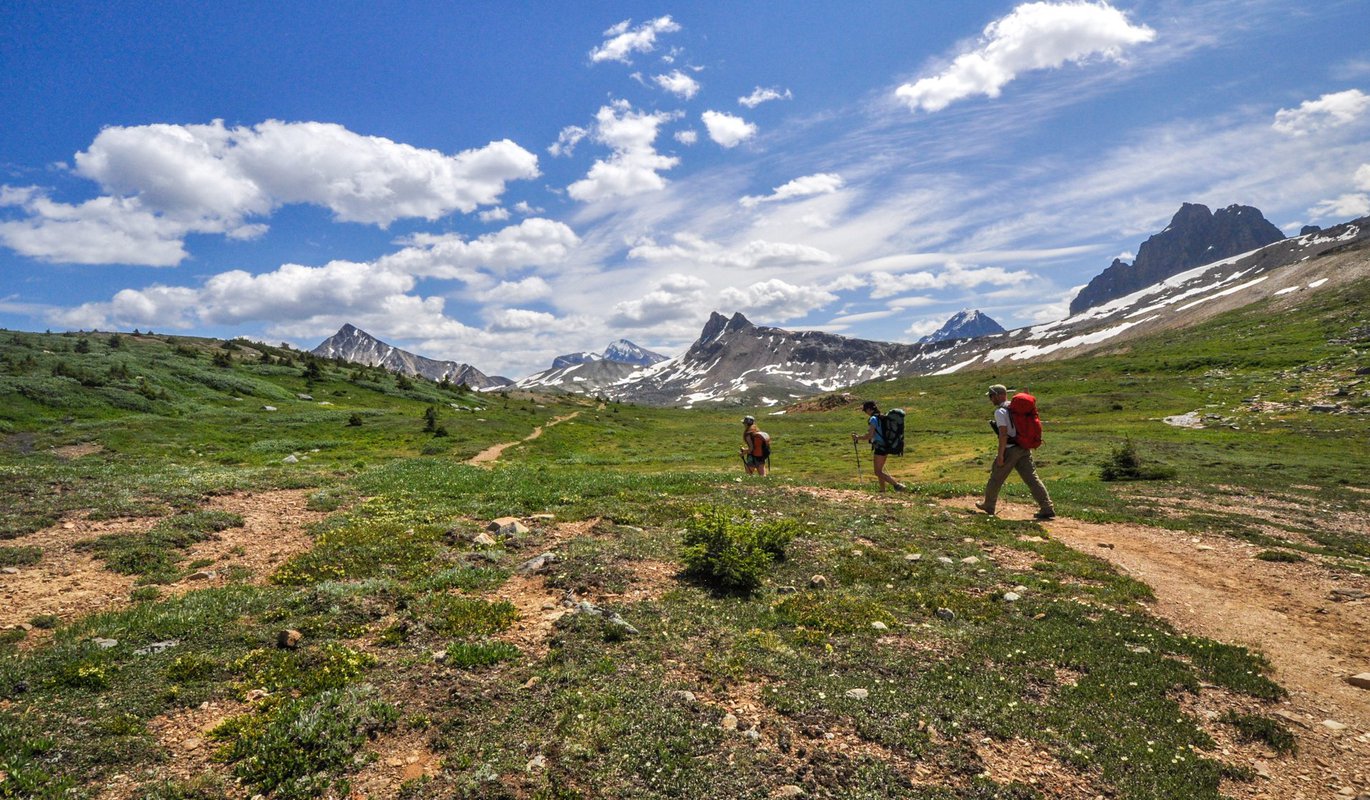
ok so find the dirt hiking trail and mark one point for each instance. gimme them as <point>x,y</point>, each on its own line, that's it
<point>493,452</point>
<point>1213,586</point>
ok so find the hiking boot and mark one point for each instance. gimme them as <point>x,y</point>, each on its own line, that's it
<point>1043,516</point>
<point>985,509</point>
<point>899,487</point>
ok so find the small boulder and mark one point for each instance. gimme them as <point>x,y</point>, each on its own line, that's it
<point>786,589</point>
<point>105,644</point>
<point>970,560</point>
<point>1012,597</point>
<point>880,626</point>
<point>9,571</point>
<point>858,694</point>
<point>818,582</point>
<point>1361,681</point>
<point>289,639</point>
<point>1333,725</point>
<point>729,722</point>
<point>946,614</point>
<point>200,575</point>
<point>268,408</point>
<point>789,790</point>
<point>507,526</point>
<point>290,459</point>
<point>907,557</point>
<point>483,539</point>
<point>537,563</point>
<point>945,560</point>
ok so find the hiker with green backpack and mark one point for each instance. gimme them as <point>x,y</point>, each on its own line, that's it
<point>1020,432</point>
<point>885,432</point>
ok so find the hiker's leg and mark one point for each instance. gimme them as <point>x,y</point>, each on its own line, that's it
<point>1028,471</point>
<point>997,475</point>
<point>879,463</point>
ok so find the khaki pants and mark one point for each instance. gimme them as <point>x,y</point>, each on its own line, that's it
<point>1017,458</point>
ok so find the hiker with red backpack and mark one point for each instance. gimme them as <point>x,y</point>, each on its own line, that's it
<point>756,447</point>
<point>1020,432</point>
<point>885,432</point>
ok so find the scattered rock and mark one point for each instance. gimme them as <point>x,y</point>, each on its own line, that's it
<point>686,695</point>
<point>879,626</point>
<point>729,722</point>
<point>1204,548</point>
<point>537,563</point>
<point>786,589</point>
<point>156,647</point>
<point>268,408</point>
<point>1262,770</point>
<point>200,575</point>
<point>907,557</point>
<point>191,744</point>
<point>1343,595</point>
<point>858,694</point>
<point>1139,649</point>
<point>1106,545</point>
<point>1324,408</point>
<point>970,560</point>
<point>1026,538</point>
<point>289,639</point>
<point>483,539</point>
<point>538,762</point>
<point>818,582</point>
<point>290,459</point>
<point>544,517</point>
<point>946,614</point>
<point>586,607</point>
<point>507,526</point>
<point>1012,597</point>
<point>305,396</point>
<point>1333,725</point>
<point>1290,716</point>
<point>945,560</point>
<point>858,553</point>
<point>1361,681</point>
<point>105,644</point>
<point>253,695</point>
<point>789,790</point>
<point>9,571</point>
<point>531,682</point>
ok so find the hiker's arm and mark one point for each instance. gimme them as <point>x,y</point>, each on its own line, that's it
<point>870,434</point>
<point>1003,444</point>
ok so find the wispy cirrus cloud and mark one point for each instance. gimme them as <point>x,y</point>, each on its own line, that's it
<point>761,95</point>
<point>678,84</point>
<point>1034,36</point>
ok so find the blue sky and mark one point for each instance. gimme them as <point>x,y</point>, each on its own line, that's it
<point>501,183</point>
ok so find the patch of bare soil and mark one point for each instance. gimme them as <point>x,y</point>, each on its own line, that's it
<point>274,528</point>
<point>70,583</point>
<point>1214,587</point>
<point>72,451</point>
<point>1029,763</point>
<point>400,757</point>
<point>539,605</point>
<point>493,452</point>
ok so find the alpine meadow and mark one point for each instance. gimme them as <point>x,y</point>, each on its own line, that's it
<point>429,401</point>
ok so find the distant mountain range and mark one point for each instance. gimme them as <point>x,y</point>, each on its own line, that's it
<point>736,362</point>
<point>1194,236</point>
<point>964,325</point>
<point>359,347</point>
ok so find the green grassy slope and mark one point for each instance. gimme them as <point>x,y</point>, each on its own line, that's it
<point>402,611</point>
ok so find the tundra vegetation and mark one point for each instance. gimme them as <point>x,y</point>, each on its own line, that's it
<point>412,627</point>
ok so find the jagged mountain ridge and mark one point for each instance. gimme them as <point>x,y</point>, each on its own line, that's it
<point>1195,236</point>
<point>356,346</point>
<point>621,351</point>
<point>734,361</point>
<point>965,324</point>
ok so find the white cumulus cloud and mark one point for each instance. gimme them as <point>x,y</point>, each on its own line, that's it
<point>726,129</point>
<point>675,297</point>
<point>163,182</point>
<point>524,291</point>
<point>534,242</point>
<point>678,84</point>
<point>634,166</point>
<point>687,137</point>
<point>807,186</point>
<point>622,40</point>
<point>567,140</point>
<point>761,95</point>
<point>776,299</point>
<point>1033,36</point>
<point>1328,111</point>
<point>885,284</point>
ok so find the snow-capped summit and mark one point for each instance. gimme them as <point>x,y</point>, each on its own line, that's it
<point>964,324</point>
<point>625,352</point>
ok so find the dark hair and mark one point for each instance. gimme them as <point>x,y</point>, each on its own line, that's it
<point>869,405</point>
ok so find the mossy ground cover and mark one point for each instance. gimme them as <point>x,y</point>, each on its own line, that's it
<point>1076,667</point>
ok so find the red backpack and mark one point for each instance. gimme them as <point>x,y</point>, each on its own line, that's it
<point>1022,412</point>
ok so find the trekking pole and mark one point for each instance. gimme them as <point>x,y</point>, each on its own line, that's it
<point>856,452</point>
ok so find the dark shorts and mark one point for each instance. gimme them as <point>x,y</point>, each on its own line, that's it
<point>754,461</point>
<point>880,451</point>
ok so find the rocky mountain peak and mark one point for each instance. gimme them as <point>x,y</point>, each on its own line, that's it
<point>964,324</point>
<point>1195,236</point>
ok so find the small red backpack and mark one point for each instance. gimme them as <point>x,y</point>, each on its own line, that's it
<point>1022,412</point>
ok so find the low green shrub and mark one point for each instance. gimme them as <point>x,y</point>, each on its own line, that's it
<point>25,556</point>
<point>1255,728</point>
<point>730,554</point>
<point>480,654</point>
<point>1124,464</point>
<point>1280,556</point>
